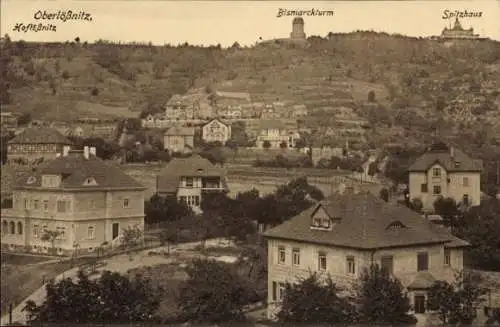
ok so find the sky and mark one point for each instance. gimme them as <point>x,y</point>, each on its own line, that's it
<point>224,22</point>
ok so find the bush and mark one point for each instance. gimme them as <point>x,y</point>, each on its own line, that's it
<point>94,91</point>
<point>65,74</point>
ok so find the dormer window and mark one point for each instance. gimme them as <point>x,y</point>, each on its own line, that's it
<point>396,225</point>
<point>436,172</point>
<point>457,164</point>
<point>89,181</point>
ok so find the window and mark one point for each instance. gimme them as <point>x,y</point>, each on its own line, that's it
<point>316,222</point>
<point>20,228</point>
<point>466,181</point>
<point>91,232</point>
<point>436,190</point>
<point>281,254</point>
<point>26,204</point>
<point>36,232</point>
<point>5,227</point>
<point>296,257</point>
<point>183,199</point>
<point>281,291</point>
<point>419,304</point>
<point>351,266</point>
<point>92,204</point>
<point>447,257</point>
<point>126,203</point>
<point>45,205</point>
<point>322,261</point>
<point>424,188</point>
<point>436,172</point>
<point>61,206</point>
<point>189,181</point>
<point>422,261</point>
<point>387,264</point>
<point>45,229</point>
<point>35,204</point>
<point>12,227</point>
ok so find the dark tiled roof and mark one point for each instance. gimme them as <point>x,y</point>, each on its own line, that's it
<point>195,165</point>
<point>180,131</point>
<point>363,225</point>
<point>465,163</point>
<point>422,281</point>
<point>38,135</point>
<point>75,171</point>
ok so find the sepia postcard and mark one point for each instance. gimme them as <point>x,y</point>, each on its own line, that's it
<point>250,163</point>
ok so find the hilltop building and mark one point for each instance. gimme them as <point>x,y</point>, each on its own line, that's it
<point>458,32</point>
<point>179,139</point>
<point>35,143</point>
<point>346,233</point>
<point>445,171</point>
<point>298,29</point>
<point>276,133</point>
<point>189,179</point>
<point>82,198</point>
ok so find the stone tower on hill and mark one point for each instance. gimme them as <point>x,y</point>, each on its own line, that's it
<point>298,29</point>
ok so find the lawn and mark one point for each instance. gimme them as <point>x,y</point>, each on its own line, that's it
<point>19,259</point>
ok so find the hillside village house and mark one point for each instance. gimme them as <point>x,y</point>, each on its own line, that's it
<point>348,232</point>
<point>275,132</point>
<point>179,139</point>
<point>447,173</point>
<point>189,179</point>
<point>34,143</point>
<point>85,199</point>
<point>178,108</point>
<point>216,131</point>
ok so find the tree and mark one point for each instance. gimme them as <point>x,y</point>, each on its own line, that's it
<point>373,169</point>
<point>112,298</point>
<point>456,302</point>
<point>283,145</point>
<point>382,298</point>
<point>479,226</point>
<point>266,144</point>
<point>132,235</point>
<point>312,301</point>
<point>371,96</point>
<point>51,237</point>
<point>417,204</point>
<point>24,119</point>
<point>213,293</point>
<point>159,209</point>
<point>384,194</point>
<point>447,209</point>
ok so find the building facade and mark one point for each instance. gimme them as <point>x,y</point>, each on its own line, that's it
<point>179,139</point>
<point>216,131</point>
<point>445,172</point>
<point>275,134</point>
<point>79,199</point>
<point>345,234</point>
<point>35,143</point>
<point>458,32</point>
<point>189,179</point>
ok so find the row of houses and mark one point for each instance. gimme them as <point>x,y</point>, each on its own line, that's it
<point>266,133</point>
<point>88,202</point>
<point>225,105</point>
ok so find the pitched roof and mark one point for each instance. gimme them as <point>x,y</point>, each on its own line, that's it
<point>195,165</point>
<point>180,131</point>
<point>459,162</point>
<point>38,135</point>
<point>233,95</point>
<point>75,170</point>
<point>423,280</point>
<point>218,120</point>
<point>363,224</point>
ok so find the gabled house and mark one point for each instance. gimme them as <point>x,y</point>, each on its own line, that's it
<point>348,232</point>
<point>189,179</point>
<point>179,139</point>
<point>216,131</point>
<point>37,142</point>
<point>445,171</point>
<point>86,200</point>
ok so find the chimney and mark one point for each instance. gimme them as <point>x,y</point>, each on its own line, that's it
<point>92,151</point>
<point>86,152</point>
<point>66,149</point>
